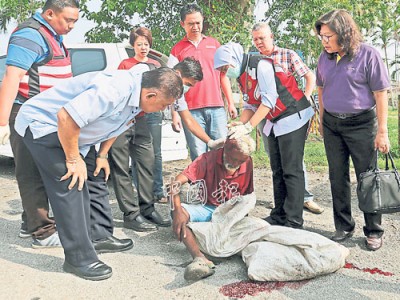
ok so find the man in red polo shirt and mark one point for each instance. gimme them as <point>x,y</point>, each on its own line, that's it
<point>219,175</point>
<point>204,100</point>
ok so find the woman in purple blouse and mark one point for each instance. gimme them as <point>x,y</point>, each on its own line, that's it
<point>352,88</point>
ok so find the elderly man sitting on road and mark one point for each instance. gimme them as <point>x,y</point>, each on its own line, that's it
<point>219,175</point>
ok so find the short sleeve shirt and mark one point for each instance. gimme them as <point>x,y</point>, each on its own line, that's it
<point>27,46</point>
<point>102,104</point>
<point>128,63</point>
<point>206,93</point>
<point>348,84</point>
<point>218,186</point>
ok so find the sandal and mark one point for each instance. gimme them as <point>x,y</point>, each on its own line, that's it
<point>199,269</point>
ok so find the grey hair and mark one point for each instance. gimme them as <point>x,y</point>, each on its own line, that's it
<point>261,25</point>
<point>246,144</point>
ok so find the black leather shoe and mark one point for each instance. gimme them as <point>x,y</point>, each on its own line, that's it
<point>140,223</point>
<point>341,235</point>
<point>95,271</point>
<point>112,244</point>
<point>272,221</point>
<point>158,219</point>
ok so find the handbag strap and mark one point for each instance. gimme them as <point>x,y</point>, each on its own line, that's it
<point>391,160</point>
<point>373,165</point>
<point>396,173</point>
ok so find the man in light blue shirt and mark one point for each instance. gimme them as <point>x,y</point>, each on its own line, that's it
<point>61,125</point>
<point>286,127</point>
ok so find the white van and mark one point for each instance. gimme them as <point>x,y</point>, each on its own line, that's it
<point>107,56</point>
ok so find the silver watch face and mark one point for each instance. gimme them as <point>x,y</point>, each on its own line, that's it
<point>245,97</point>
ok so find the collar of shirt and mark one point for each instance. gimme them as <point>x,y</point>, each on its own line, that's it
<point>275,50</point>
<point>38,17</point>
<point>134,98</point>
<point>185,38</point>
<point>242,169</point>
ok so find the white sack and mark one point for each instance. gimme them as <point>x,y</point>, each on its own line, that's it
<point>271,253</point>
<point>292,254</point>
<point>229,230</point>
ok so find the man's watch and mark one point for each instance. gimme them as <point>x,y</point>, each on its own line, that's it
<point>102,156</point>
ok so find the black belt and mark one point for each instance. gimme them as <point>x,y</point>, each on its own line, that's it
<point>348,115</point>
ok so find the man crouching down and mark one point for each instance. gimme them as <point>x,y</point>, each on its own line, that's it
<point>217,176</point>
<point>61,125</point>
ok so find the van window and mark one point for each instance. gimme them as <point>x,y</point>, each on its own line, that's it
<point>87,60</point>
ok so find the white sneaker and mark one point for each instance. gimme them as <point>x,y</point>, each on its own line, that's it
<point>23,234</point>
<point>52,241</point>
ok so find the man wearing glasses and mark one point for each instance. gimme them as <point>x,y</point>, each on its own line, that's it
<point>204,100</point>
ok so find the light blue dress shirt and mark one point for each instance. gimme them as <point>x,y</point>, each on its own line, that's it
<point>269,95</point>
<point>102,104</point>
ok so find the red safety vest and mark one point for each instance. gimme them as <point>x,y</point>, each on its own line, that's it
<point>291,99</point>
<point>47,73</point>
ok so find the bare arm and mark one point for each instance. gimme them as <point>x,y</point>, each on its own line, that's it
<point>227,90</point>
<point>8,91</point>
<point>382,138</point>
<point>310,84</point>
<point>68,133</point>
<point>102,158</point>
<point>321,110</point>
<point>260,114</point>
<point>193,126</point>
<point>176,120</point>
<point>246,115</point>
<point>180,216</point>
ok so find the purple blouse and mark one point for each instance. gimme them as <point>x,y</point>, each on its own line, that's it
<point>348,84</point>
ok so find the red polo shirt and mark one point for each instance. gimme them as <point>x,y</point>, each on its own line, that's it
<point>220,186</point>
<point>128,63</point>
<point>206,93</point>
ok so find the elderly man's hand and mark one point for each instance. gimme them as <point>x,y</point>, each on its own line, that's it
<point>180,220</point>
<point>76,168</point>
<point>235,132</point>
<point>216,144</point>
<point>4,134</point>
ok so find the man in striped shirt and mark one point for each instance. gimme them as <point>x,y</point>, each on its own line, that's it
<point>36,61</point>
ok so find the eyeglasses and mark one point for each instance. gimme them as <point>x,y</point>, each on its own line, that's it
<point>325,38</point>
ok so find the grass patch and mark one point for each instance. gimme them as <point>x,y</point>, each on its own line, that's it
<point>315,157</point>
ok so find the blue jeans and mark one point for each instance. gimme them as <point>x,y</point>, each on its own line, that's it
<point>154,122</point>
<point>213,120</point>
<point>199,212</point>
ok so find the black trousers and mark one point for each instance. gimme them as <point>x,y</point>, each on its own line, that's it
<point>344,138</point>
<point>286,154</point>
<point>81,216</point>
<point>34,198</point>
<point>136,143</point>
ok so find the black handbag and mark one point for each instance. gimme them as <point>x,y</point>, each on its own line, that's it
<point>378,190</point>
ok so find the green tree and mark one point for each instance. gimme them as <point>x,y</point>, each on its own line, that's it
<point>18,10</point>
<point>293,21</point>
<point>223,20</point>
